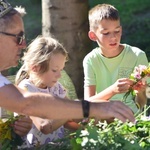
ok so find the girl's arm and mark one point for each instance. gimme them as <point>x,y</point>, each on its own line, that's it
<point>47,126</point>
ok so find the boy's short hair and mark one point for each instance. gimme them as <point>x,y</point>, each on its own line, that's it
<point>102,11</point>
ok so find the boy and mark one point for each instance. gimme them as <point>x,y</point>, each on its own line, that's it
<point>107,67</point>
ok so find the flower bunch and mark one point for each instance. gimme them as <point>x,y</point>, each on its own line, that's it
<point>8,138</point>
<point>139,74</point>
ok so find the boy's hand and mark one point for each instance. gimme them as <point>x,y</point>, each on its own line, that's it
<point>122,85</point>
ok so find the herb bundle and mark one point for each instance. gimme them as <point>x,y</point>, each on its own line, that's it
<point>9,140</point>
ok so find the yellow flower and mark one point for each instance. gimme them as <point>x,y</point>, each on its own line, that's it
<point>147,71</point>
<point>8,134</point>
<point>5,130</point>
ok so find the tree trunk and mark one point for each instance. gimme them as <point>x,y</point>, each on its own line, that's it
<point>67,21</point>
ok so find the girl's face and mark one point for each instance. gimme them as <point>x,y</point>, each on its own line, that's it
<point>56,65</point>
<point>108,35</point>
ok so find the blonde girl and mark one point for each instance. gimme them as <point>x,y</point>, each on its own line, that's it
<point>42,65</point>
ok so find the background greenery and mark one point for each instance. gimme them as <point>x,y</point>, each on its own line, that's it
<point>135,19</point>
<point>134,14</point>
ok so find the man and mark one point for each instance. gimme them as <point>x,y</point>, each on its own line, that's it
<point>12,41</point>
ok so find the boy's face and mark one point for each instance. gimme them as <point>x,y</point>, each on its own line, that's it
<point>107,35</point>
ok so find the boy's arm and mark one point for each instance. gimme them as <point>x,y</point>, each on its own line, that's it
<point>122,85</point>
<point>89,93</point>
<point>141,99</point>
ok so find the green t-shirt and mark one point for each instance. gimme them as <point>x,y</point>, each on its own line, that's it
<point>103,72</point>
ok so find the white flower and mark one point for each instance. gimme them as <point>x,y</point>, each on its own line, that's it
<point>145,118</point>
<point>85,140</point>
<point>84,133</point>
<point>93,141</point>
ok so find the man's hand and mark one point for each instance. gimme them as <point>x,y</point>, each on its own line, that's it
<point>22,126</point>
<point>112,109</point>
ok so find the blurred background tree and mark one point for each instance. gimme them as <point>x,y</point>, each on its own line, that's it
<point>67,21</point>
<point>70,27</point>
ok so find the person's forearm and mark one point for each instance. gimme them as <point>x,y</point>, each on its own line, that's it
<point>41,124</point>
<point>66,109</point>
<point>103,95</point>
<point>38,104</point>
<point>47,126</point>
<point>141,99</point>
<point>44,106</point>
<point>72,125</point>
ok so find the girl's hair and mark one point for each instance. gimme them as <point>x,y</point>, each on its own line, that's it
<point>38,54</point>
<point>100,12</point>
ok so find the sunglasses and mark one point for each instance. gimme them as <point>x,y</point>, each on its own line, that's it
<point>20,37</point>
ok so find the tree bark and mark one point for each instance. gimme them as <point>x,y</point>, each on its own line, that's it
<point>67,21</point>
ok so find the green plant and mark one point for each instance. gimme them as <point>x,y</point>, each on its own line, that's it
<point>103,136</point>
<point>8,138</point>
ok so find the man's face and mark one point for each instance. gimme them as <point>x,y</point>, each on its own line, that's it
<point>10,50</point>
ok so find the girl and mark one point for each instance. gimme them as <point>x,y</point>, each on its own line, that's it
<point>43,62</point>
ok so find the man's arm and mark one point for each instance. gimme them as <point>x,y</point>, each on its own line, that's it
<point>44,106</point>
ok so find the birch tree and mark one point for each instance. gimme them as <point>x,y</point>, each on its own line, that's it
<point>67,21</point>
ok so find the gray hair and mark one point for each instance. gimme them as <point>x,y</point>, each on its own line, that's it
<point>6,15</point>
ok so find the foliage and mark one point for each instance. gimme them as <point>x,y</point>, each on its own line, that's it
<point>32,21</point>
<point>93,136</point>
<point>135,19</point>
<point>103,136</point>
<point>8,138</point>
<point>14,70</point>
